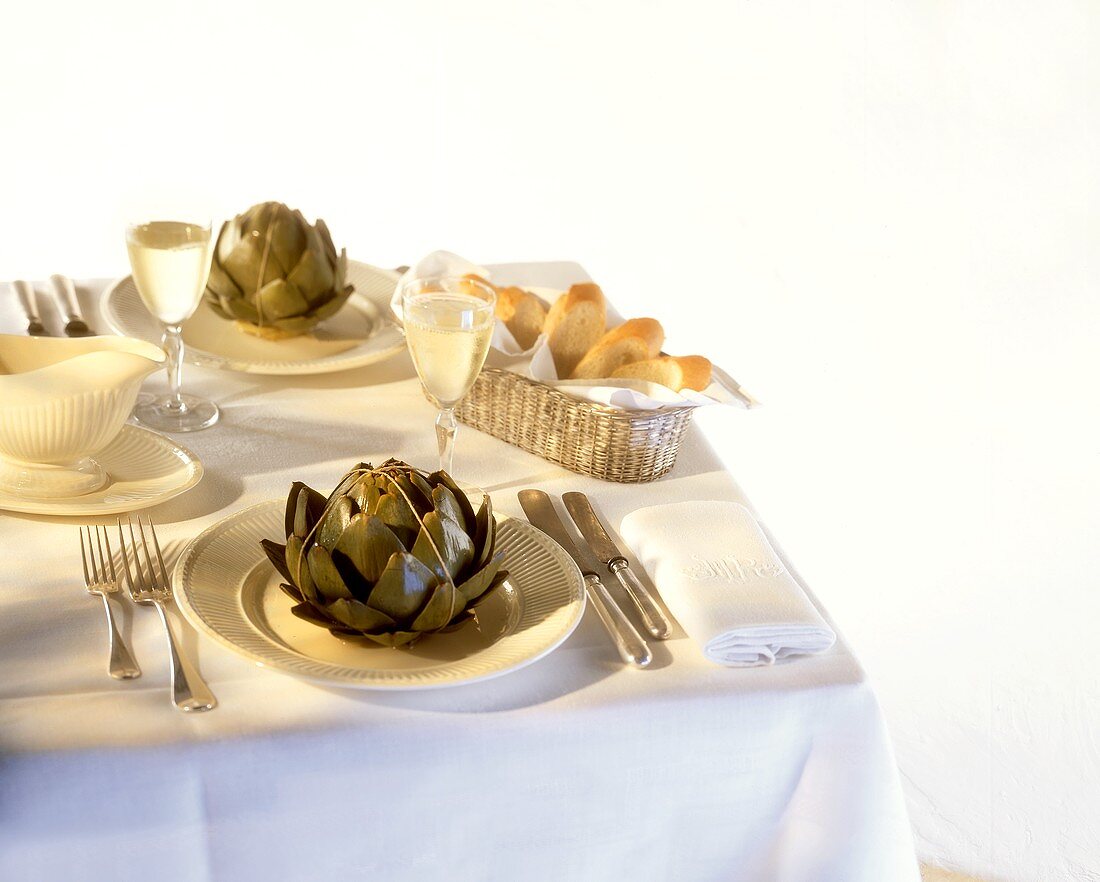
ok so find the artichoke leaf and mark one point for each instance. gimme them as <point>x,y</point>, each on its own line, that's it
<point>287,239</point>
<point>245,264</point>
<point>327,579</point>
<point>468,520</point>
<point>421,501</point>
<point>398,516</point>
<point>326,240</point>
<point>278,299</point>
<point>366,495</point>
<point>302,515</point>
<point>310,613</point>
<point>312,275</point>
<point>292,327</point>
<point>335,522</point>
<point>444,604</point>
<point>442,546</point>
<point>292,592</point>
<point>485,533</point>
<point>331,306</point>
<point>478,585</point>
<point>358,615</point>
<point>394,639</point>
<point>403,587</point>
<point>368,544</point>
<point>276,553</point>
<point>243,310</point>
<point>447,506</point>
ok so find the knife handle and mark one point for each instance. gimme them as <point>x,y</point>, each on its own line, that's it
<point>629,643</point>
<point>655,622</point>
<point>25,292</point>
<point>65,292</point>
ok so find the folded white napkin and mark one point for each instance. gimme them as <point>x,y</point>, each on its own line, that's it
<point>538,364</point>
<point>724,583</point>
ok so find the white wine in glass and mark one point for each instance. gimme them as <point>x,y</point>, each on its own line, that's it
<point>448,326</point>
<point>170,262</point>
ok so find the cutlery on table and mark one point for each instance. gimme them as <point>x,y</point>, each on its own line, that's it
<point>539,509</point>
<point>65,293</point>
<point>24,292</point>
<point>602,545</point>
<point>151,586</point>
<point>100,579</point>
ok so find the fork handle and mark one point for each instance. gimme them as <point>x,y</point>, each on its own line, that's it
<point>122,665</point>
<point>189,693</point>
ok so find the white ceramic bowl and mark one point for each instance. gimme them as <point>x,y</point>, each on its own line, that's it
<point>62,401</point>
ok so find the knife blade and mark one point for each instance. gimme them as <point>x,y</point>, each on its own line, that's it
<point>24,293</point>
<point>540,511</point>
<point>65,293</point>
<point>605,549</point>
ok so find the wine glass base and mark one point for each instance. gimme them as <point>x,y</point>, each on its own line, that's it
<point>164,415</point>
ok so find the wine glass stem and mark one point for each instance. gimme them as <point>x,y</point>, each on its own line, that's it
<point>445,428</point>
<point>173,345</point>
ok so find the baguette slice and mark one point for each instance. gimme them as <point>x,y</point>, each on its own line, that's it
<point>574,324</point>
<point>522,313</point>
<point>634,340</point>
<point>675,372</point>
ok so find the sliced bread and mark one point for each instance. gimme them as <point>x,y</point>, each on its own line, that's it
<point>634,340</point>
<point>675,372</point>
<point>573,325</point>
<point>522,313</point>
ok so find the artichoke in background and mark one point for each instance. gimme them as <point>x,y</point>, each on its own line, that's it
<point>274,273</point>
<point>392,554</point>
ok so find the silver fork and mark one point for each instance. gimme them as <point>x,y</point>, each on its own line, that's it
<point>151,586</point>
<point>100,579</point>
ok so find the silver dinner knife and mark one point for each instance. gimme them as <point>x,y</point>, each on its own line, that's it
<point>539,509</point>
<point>64,291</point>
<point>605,549</point>
<point>24,293</point>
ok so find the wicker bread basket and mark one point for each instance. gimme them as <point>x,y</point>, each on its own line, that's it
<point>628,446</point>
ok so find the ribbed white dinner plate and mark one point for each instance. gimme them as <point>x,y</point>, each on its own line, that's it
<point>144,469</point>
<point>361,333</point>
<point>228,589</point>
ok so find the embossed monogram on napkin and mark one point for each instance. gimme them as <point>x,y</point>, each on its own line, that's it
<point>732,569</point>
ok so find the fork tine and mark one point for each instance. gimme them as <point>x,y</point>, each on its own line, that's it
<point>125,559</point>
<point>148,560</point>
<point>110,556</point>
<point>84,559</point>
<point>102,560</point>
<point>160,559</point>
<point>142,586</point>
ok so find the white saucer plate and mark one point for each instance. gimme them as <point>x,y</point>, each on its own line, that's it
<point>227,589</point>
<point>144,469</point>
<point>362,332</point>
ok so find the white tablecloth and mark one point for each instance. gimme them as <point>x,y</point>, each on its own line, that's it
<point>573,768</point>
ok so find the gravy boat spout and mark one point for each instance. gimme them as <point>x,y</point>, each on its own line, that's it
<point>61,402</point>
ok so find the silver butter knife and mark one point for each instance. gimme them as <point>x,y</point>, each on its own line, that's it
<point>24,293</point>
<point>64,291</point>
<point>539,509</point>
<point>580,510</point>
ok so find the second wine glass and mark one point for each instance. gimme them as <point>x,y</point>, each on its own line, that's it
<point>448,326</point>
<point>170,260</point>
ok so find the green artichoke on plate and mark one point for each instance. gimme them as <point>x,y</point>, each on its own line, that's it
<point>274,273</point>
<point>394,553</point>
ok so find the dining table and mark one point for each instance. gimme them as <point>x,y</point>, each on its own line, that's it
<point>574,767</point>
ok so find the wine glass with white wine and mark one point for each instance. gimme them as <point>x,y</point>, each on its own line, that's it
<point>170,260</point>
<point>448,326</point>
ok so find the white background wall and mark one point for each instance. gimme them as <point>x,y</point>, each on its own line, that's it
<point>881,217</point>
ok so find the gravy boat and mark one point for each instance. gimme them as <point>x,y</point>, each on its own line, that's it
<point>61,402</point>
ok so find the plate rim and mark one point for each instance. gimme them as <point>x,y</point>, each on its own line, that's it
<point>203,358</point>
<point>183,602</point>
<point>51,507</point>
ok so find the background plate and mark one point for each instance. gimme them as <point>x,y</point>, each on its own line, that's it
<point>227,588</point>
<point>361,333</point>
